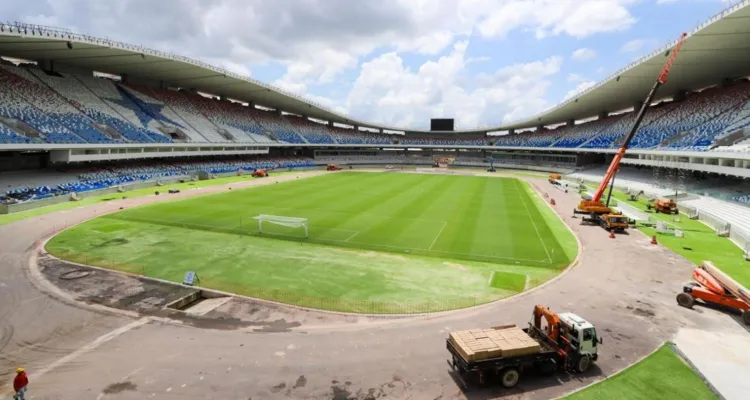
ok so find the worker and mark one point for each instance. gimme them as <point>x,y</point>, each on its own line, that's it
<point>20,383</point>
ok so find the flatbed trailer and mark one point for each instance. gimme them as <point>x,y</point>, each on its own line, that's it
<point>509,369</point>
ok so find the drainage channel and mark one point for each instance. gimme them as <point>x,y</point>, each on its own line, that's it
<point>198,302</point>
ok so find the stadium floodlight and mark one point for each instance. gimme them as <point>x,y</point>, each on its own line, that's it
<point>290,222</point>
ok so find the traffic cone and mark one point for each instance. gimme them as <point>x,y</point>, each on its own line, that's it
<point>611,233</point>
<point>552,201</point>
<point>653,239</point>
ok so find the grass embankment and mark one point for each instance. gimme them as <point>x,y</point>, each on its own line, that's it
<point>378,242</point>
<point>699,243</point>
<point>662,375</point>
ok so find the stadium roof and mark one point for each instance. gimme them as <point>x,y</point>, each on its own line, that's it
<point>715,50</point>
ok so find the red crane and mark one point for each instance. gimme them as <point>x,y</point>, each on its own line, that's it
<point>612,170</point>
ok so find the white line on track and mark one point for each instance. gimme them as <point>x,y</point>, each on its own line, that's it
<point>437,236</point>
<point>90,346</point>
<point>533,223</point>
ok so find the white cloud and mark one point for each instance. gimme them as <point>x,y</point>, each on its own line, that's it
<point>578,89</point>
<point>387,91</point>
<point>633,45</point>
<point>318,41</point>
<point>583,54</point>
<point>573,77</point>
<point>577,18</point>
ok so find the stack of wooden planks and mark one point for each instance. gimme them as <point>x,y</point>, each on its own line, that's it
<point>504,341</point>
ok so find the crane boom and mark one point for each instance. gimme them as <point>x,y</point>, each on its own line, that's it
<point>615,164</point>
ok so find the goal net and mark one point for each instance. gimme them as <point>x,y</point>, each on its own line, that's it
<point>264,220</point>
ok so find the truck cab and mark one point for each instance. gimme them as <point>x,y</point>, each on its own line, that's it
<point>581,334</point>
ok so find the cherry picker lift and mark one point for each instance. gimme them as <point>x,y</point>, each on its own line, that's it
<point>596,211</point>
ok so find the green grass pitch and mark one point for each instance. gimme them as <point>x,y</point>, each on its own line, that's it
<point>378,242</point>
<point>662,375</point>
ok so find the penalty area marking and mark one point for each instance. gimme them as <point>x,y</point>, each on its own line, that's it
<point>437,236</point>
<point>215,228</point>
<point>352,236</point>
<point>534,224</point>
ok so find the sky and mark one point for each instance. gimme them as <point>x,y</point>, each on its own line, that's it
<point>396,62</point>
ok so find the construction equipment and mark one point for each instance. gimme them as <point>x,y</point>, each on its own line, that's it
<point>259,173</point>
<point>594,206</point>
<point>634,197</point>
<point>713,286</point>
<point>614,221</point>
<point>554,179</point>
<point>333,167</point>
<point>664,206</point>
<point>567,342</point>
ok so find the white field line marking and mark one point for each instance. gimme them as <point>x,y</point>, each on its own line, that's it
<point>549,257</point>
<point>492,275</point>
<point>437,236</point>
<point>526,285</point>
<point>239,231</point>
<point>351,213</point>
<point>90,346</point>
<point>351,237</point>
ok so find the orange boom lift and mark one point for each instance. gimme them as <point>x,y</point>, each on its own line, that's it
<point>715,287</point>
<point>599,212</point>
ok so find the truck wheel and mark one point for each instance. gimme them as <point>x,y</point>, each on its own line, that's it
<point>510,377</point>
<point>583,364</point>
<point>685,300</point>
<point>746,317</point>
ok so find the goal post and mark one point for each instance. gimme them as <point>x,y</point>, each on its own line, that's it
<point>289,222</point>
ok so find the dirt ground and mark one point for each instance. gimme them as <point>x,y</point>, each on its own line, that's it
<point>74,350</point>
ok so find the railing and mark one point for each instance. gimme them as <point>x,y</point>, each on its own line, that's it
<point>632,212</point>
<point>741,239</point>
<point>690,211</point>
<point>721,226</point>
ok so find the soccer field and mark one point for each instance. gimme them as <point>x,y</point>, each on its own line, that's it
<point>391,239</point>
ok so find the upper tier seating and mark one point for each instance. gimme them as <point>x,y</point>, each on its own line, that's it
<point>44,111</point>
<point>312,131</point>
<point>274,125</point>
<point>186,109</point>
<point>88,104</point>
<point>350,136</point>
<point>693,124</point>
<point>444,142</point>
<point>532,139</point>
<point>39,106</point>
<point>219,113</point>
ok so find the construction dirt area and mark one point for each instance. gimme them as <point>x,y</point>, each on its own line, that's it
<point>86,333</point>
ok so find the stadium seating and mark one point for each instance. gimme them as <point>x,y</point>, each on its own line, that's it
<point>111,176</point>
<point>84,104</point>
<point>532,139</point>
<point>276,126</point>
<point>186,109</point>
<point>444,142</point>
<point>350,136</point>
<point>313,132</point>
<point>50,107</point>
<point>231,117</point>
<point>43,110</point>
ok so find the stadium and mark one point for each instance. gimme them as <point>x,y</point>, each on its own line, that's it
<point>179,230</point>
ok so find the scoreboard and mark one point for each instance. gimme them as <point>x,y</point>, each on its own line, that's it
<point>441,124</point>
